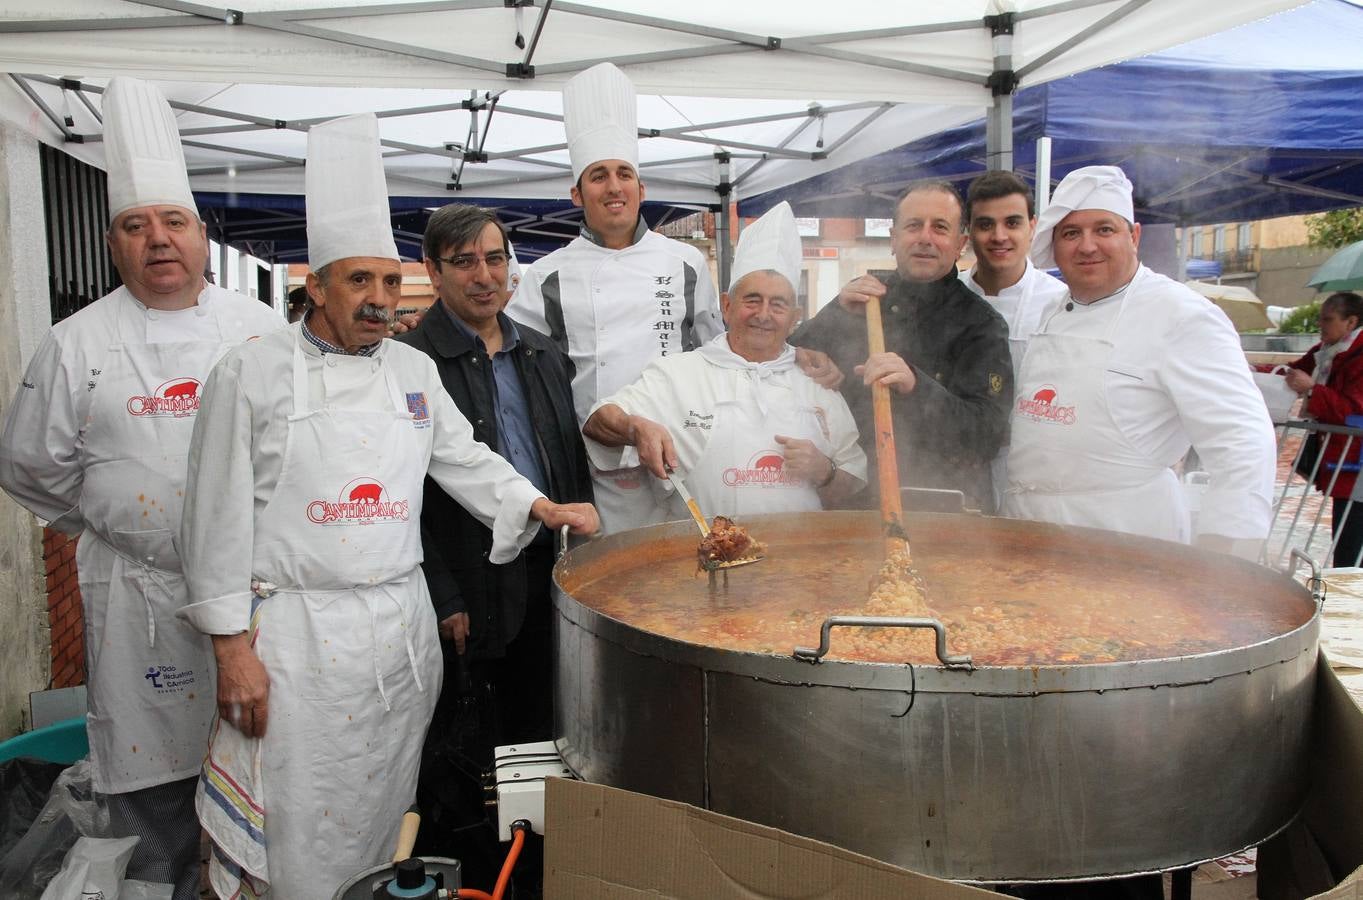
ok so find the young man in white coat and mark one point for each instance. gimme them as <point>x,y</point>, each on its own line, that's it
<point>95,444</point>
<point>302,547</point>
<point>738,421</point>
<point>1126,372</point>
<point>619,296</point>
<point>1001,219</point>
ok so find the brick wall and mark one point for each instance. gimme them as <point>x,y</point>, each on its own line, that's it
<point>64,610</point>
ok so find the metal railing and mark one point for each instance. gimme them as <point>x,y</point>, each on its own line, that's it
<point>1303,515</point>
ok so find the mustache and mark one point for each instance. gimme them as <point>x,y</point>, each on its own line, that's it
<point>374,313</point>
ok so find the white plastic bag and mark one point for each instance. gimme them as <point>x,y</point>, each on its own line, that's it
<point>93,870</point>
<point>1277,395</point>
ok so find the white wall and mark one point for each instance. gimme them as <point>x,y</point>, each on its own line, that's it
<point>25,316</point>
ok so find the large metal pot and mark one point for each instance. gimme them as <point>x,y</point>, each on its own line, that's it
<point>1005,773</point>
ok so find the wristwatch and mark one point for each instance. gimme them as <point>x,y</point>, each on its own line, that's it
<point>832,473</point>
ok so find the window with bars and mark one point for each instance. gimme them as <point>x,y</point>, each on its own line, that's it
<point>76,206</point>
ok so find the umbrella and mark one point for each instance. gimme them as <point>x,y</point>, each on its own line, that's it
<point>1245,310</point>
<point>1341,272</point>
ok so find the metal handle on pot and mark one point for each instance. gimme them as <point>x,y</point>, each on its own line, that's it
<point>812,655</point>
<point>1317,580</point>
<point>562,543</point>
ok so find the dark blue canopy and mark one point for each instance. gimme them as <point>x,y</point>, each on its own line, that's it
<point>273,227</point>
<point>1262,120</point>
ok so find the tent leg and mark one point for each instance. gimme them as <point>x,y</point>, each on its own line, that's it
<point>723,250</point>
<point>998,126</point>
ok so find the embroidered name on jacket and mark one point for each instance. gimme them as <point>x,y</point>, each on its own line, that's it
<point>363,501</point>
<point>178,397</point>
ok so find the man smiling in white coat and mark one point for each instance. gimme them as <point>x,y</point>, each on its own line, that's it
<point>95,443</point>
<point>1127,371</point>
<point>745,429</point>
<point>302,548</point>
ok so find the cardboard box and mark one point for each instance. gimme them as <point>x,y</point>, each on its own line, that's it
<point>608,844</point>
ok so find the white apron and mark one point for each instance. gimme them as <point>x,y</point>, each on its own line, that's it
<point>624,499</point>
<point>1017,346</point>
<point>150,674</point>
<point>347,633</point>
<point>1068,462</point>
<point>742,473</point>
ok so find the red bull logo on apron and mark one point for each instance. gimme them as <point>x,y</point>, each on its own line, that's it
<point>1042,407</point>
<point>766,468</point>
<point>178,397</point>
<point>363,501</point>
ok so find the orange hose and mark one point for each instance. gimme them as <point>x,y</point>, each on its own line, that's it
<point>505,878</point>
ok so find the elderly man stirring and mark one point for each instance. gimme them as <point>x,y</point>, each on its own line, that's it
<point>302,549</point>
<point>95,443</point>
<point>747,430</point>
<point>1127,372</point>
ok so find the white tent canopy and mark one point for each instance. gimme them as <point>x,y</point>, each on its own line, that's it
<point>251,78</point>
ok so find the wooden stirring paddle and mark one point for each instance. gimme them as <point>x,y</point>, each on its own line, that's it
<point>887,464</point>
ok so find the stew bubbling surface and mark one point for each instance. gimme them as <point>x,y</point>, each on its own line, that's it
<point>1011,599</point>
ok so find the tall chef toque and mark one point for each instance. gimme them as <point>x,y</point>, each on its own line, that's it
<point>1092,187</point>
<point>601,118</point>
<point>772,242</point>
<point>142,151</point>
<point>347,196</point>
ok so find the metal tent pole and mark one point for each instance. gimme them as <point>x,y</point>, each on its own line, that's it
<point>723,252</point>
<point>1003,81</point>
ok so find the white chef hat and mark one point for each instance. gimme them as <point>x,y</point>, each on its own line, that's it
<point>1092,187</point>
<point>513,268</point>
<point>601,117</point>
<point>142,151</point>
<point>347,195</point>
<point>772,242</point>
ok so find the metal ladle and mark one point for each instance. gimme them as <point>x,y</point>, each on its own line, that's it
<point>694,507</point>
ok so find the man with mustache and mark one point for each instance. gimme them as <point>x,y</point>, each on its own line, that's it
<point>302,548</point>
<point>95,443</point>
<point>737,420</point>
<point>946,364</point>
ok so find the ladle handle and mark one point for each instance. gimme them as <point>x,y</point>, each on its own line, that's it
<point>1317,582</point>
<point>887,463</point>
<point>813,655</point>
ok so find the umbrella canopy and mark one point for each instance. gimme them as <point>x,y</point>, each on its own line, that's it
<point>1341,272</point>
<point>1245,310</point>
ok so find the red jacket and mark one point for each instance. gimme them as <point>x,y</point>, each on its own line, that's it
<point>1330,403</point>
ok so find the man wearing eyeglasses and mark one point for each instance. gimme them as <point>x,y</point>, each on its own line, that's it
<point>514,387</point>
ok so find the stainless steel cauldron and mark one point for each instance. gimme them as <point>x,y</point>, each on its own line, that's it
<point>1013,774</point>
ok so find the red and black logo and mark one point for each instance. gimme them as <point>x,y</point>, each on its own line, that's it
<point>363,501</point>
<point>178,397</point>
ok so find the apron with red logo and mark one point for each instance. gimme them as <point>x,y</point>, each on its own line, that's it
<point>150,674</point>
<point>742,473</point>
<point>347,633</point>
<point>1068,462</point>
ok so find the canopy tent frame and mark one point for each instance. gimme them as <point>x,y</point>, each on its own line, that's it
<point>736,161</point>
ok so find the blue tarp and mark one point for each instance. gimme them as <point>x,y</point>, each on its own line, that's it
<point>1262,120</point>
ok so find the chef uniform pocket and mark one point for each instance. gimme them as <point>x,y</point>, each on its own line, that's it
<point>154,547</point>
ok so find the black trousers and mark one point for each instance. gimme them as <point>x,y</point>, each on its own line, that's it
<point>1349,532</point>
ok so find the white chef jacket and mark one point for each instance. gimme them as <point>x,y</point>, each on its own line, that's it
<point>683,392</point>
<point>81,406</point>
<point>615,311</point>
<point>1177,378</point>
<point>40,451</point>
<point>1021,305</point>
<point>238,448</point>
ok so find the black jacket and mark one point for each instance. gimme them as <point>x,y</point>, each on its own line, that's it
<point>456,545</point>
<point>956,419</point>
